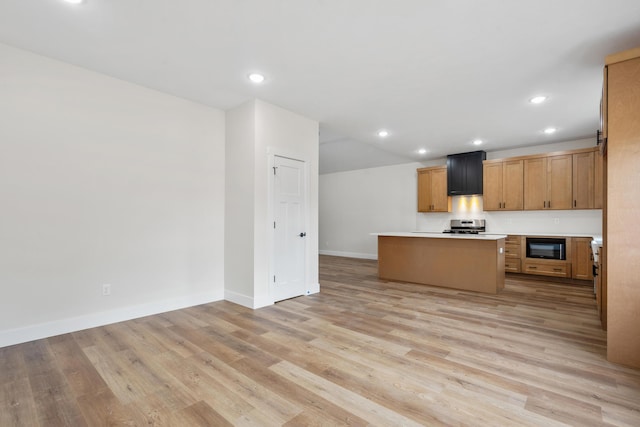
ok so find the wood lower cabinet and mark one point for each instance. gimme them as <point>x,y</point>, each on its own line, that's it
<point>513,254</point>
<point>512,265</point>
<point>503,185</point>
<point>554,268</point>
<point>581,258</point>
<point>432,190</point>
<point>578,265</point>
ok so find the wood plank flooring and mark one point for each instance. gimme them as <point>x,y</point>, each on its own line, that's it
<point>362,352</point>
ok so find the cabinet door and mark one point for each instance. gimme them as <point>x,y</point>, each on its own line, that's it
<point>492,177</point>
<point>535,183</point>
<point>424,191</point>
<point>583,180</point>
<point>603,105</point>
<point>559,182</point>
<point>439,198</point>
<point>581,259</point>
<point>456,172</point>
<point>598,186</point>
<point>513,186</point>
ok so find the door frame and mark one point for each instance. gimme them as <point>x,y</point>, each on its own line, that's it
<point>272,153</point>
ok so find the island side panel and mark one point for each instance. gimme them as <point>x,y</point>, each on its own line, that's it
<point>467,264</point>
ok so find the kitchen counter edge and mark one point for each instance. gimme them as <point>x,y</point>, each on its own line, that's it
<point>433,235</point>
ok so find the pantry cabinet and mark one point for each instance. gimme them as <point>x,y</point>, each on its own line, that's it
<point>621,269</point>
<point>598,186</point>
<point>432,190</point>
<point>503,185</point>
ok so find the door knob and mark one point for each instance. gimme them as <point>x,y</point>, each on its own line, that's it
<point>303,234</point>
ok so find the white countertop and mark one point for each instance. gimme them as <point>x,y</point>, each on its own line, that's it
<point>434,235</point>
<point>557,235</point>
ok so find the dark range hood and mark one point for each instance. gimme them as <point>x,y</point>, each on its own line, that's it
<point>464,173</point>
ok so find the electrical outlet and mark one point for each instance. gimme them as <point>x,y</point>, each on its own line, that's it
<point>556,221</point>
<point>106,289</point>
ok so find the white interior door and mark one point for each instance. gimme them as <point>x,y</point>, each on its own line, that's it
<point>289,225</point>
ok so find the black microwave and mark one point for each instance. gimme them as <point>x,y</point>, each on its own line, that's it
<point>546,248</point>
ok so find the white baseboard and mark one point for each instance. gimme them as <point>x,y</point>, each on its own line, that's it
<point>73,324</point>
<point>349,254</point>
<point>244,300</point>
<point>313,288</point>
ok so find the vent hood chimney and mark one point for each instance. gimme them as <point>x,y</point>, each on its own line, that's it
<point>464,173</point>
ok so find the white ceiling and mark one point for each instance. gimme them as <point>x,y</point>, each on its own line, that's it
<point>437,74</point>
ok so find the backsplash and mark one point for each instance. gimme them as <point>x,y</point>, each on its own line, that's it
<point>587,222</point>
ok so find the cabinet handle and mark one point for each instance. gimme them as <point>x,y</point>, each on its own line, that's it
<point>574,204</point>
<point>532,267</point>
<point>557,269</point>
<point>545,203</point>
<point>549,203</point>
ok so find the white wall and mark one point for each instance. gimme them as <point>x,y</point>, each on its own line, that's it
<point>258,131</point>
<point>356,203</point>
<point>102,181</point>
<point>239,204</point>
<point>284,133</point>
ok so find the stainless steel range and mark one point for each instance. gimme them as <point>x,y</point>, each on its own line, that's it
<point>466,226</point>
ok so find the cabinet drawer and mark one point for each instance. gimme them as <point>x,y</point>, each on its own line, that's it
<point>513,239</point>
<point>512,265</point>
<point>548,269</point>
<point>511,251</point>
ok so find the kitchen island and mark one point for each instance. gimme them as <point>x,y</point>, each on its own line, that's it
<point>472,262</point>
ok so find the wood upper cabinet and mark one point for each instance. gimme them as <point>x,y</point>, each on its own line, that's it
<point>503,185</point>
<point>432,189</point>
<point>548,182</point>
<point>582,258</point>
<point>584,180</point>
<point>598,187</point>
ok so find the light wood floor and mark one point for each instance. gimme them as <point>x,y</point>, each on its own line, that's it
<point>362,352</point>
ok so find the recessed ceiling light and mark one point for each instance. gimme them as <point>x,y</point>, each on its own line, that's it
<point>422,151</point>
<point>256,78</point>
<point>477,141</point>
<point>383,133</point>
<point>538,99</point>
<point>74,1</point>
<point>549,131</point>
